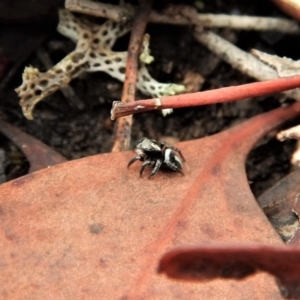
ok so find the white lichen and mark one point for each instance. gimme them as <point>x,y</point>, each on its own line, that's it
<point>93,53</point>
<point>145,56</point>
<point>292,133</point>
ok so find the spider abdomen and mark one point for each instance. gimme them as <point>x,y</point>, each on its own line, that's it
<point>172,160</point>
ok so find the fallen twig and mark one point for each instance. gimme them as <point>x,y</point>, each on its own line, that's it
<point>93,53</point>
<point>221,95</point>
<point>282,65</point>
<point>123,126</point>
<point>237,58</point>
<point>123,13</point>
<point>113,12</point>
<point>240,60</point>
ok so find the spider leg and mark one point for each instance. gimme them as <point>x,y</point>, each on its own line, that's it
<point>180,171</point>
<point>156,167</point>
<point>133,160</point>
<point>145,163</point>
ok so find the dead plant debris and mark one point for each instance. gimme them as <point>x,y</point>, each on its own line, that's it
<point>82,194</point>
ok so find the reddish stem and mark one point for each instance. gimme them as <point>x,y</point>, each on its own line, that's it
<point>227,94</point>
<point>123,125</point>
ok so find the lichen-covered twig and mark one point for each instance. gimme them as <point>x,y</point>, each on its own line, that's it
<point>239,59</point>
<point>119,13</point>
<point>123,125</point>
<point>221,95</point>
<point>93,53</point>
<point>67,91</point>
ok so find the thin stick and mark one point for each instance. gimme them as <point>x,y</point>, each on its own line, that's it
<point>232,22</point>
<point>243,61</point>
<point>114,12</point>
<point>221,95</point>
<point>121,13</point>
<point>123,126</point>
<point>237,58</point>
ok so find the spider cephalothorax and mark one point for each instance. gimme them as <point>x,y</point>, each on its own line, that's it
<point>150,152</point>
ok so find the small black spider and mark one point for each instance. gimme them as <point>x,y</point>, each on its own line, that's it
<point>150,152</point>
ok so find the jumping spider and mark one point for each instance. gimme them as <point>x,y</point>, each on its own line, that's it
<point>151,152</point>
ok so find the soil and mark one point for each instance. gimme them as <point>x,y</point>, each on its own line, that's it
<point>76,131</point>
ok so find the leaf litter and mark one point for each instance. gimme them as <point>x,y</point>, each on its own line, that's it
<point>97,228</point>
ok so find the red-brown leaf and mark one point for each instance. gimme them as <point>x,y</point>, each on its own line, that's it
<point>206,262</point>
<point>91,229</point>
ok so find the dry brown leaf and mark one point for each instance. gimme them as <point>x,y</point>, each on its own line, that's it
<point>38,154</point>
<point>91,228</point>
<point>278,204</point>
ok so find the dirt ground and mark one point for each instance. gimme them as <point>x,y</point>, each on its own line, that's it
<point>79,132</point>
